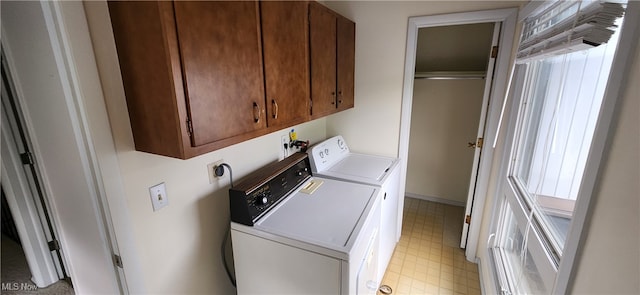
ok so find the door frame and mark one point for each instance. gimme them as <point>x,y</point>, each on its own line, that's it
<point>507,17</point>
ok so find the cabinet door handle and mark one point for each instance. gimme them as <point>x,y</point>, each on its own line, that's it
<point>275,108</point>
<point>256,112</point>
<point>333,97</point>
<point>340,96</point>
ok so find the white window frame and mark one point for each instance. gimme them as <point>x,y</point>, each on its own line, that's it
<point>630,32</point>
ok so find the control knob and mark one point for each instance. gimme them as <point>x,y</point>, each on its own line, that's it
<point>302,171</point>
<point>261,200</point>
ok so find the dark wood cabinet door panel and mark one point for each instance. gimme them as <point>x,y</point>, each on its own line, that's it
<point>142,32</point>
<point>222,67</point>
<point>322,32</point>
<point>286,61</point>
<point>346,36</point>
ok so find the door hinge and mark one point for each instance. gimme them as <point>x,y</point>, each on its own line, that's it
<point>26,158</point>
<point>467,219</point>
<point>54,245</point>
<point>117,260</point>
<point>494,52</point>
<point>189,128</point>
<point>479,142</point>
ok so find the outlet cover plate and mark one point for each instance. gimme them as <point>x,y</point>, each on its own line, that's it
<point>211,168</point>
<point>159,198</point>
<point>284,152</point>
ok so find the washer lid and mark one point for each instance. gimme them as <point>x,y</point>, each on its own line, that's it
<point>331,216</point>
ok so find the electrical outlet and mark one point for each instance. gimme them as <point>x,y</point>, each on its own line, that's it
<point>211,168</point>
<point>284,152</point>
<point>159,198</point>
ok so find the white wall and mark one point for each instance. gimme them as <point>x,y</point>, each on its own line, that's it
<point>610,258</point>
<point>178,246</point>
<point>445,115</point>
<point>373,126</point>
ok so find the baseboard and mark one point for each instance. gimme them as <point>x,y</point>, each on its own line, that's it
<point>436,199</point>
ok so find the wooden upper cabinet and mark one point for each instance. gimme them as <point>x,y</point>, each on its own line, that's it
<point>203,75</point>
<point>285,40</point>
<point>145,38</point>
<point>346,49</point>
<point>192,73</point>
<point>332,48</point>
<point>222,67</point>
<point>322,31</point>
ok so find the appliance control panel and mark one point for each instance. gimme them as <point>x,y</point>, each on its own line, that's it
<point>325,154</point>
<point>264,188</point>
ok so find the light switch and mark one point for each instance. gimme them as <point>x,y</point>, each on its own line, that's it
<point>159,198</point>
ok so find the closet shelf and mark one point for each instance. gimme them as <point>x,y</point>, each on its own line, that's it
<point>450,75</point>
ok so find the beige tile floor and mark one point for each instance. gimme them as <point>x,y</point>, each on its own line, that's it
<point>427,259</point>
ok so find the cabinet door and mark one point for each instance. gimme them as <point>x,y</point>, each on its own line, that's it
<point>286,61</point>
<point>322,32</point>
<point>346,35</point>
<point>151,74</point>
<point>222,67</point>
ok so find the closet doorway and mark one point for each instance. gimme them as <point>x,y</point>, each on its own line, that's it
<point>456,73</point>
<point>454,70</point>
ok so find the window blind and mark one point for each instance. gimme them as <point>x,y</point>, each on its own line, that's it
<point>567,26</point>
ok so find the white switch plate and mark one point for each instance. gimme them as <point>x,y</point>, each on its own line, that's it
<point>159,198</point>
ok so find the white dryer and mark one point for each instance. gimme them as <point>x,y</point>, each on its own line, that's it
<point>333,159</point>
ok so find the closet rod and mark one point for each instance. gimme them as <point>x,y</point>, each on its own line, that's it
<point>450,75</point>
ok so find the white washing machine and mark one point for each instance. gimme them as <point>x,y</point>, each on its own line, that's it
<point>333,159</point>
<point>293,233</point>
